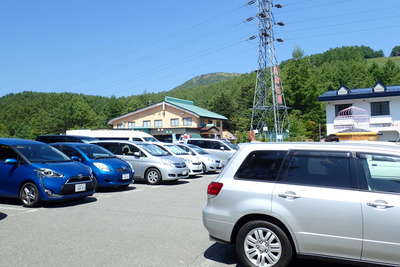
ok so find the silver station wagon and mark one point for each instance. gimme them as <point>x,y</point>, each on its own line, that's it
<point>150,162</point>
<point>337,201</point>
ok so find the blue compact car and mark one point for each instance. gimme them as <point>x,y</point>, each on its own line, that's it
<point>33,172</point>
<point>108,170</point>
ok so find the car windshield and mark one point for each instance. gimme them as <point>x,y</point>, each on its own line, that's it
<point>154,150</point>
<point>176,150</point>
<point>41,153</point>
<point>233,146</point>
<point>150,139</point>
<point>198,150</point>
<point>95,152</point>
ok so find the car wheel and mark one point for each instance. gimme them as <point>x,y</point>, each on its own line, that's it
<point>29,195</point>
<point>260,243</point>
<point>153,176</point>
<point>204,168</point>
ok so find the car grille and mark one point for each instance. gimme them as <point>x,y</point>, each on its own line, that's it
<point>196,163</point>
<point>123,170</point>
<point>218,161</point>
<point>180,165</point>
<point>78,179</point>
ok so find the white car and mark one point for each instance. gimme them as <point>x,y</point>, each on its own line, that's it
<point>192,161</point>
<point>210,163</point>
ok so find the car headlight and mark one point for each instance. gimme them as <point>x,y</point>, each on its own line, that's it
<point>101,166</point>
<point>48,173</point>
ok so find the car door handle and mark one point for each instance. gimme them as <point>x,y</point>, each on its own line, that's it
<point>380,204</point>
<point>289,195</point>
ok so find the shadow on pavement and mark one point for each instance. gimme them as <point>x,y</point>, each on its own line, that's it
<point>10,201</point>
<point>69,203</point>
<point>179,182</point>
<point>2,216</point>
<point>225,254</point>
<point>115,189</point>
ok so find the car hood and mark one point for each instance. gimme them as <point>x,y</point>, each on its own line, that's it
<point>114,163</point>
<point>208,156</point>
<point>173,159</point>
<point>68,169</point>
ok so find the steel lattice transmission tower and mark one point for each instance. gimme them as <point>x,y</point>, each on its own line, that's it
<point>269,114</point>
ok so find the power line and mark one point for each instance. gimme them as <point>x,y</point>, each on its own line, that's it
<point>339,24</point>
<point>348,32</point>
<point>170,37</point>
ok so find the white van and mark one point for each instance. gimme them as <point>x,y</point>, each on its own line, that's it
<point>127,135</point>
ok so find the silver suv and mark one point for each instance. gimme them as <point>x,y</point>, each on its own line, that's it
<point>341,201</point>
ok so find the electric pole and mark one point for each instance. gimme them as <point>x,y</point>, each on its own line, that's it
<point>269,113</point>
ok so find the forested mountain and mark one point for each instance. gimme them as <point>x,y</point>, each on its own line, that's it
<point>206,79</point>
<point>304,78</point>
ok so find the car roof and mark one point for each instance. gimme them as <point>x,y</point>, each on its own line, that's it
<point>71,144</point>
<point>119,141</point>
<point>347,146</point>
<point>17,141</point>
<point>206,139</point>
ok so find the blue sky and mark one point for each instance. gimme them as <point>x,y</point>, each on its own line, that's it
<point>126,47</point>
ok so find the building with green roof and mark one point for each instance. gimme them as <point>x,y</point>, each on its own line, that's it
<point>172,117</point>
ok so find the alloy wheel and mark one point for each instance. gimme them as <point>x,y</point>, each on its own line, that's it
<point>29,195</point>
<point>262,247</point>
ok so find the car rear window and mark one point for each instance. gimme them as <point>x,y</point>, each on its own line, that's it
<point>261,165</point>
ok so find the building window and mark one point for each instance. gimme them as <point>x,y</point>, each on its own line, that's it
<point>120,125</point>
<point>218,123</point>
<point>146,124</point>
<point>174,122</point>
<point>187,121</point>
<point>341,107</point>
<point>380,108</point>
<point>131,124</point>
<point>158,124</point>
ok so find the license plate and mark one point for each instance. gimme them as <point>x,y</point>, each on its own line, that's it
<point>125,176</point>
<point>80,187</point>
<point>184,173</point>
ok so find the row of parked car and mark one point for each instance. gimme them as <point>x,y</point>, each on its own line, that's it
<point>34,171</point>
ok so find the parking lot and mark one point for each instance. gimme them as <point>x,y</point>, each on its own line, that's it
<point>142,226</point>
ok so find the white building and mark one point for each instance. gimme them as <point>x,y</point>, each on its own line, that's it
<point>375,109</point>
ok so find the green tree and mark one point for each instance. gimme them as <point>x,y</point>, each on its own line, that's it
<point>298,53</point>
<point>395,51</point>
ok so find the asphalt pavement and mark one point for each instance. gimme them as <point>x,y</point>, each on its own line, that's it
<point>141,226</point>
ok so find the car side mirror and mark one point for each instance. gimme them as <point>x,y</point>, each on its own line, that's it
<point>137,154</point>
<point>11,161</point>
<point>75,158</point>
<point>222,148</point>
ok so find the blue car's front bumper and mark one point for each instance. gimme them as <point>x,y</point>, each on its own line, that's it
<point>60,189</point>
<point>113,179</point>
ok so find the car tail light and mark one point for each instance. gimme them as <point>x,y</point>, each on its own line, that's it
<point>214,188</point>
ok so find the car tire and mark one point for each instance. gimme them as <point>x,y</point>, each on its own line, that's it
<point>153,176</point>
<point>260,242</point>
<point>204,168</point>
<point>95,184</point>
<point>29,195</point>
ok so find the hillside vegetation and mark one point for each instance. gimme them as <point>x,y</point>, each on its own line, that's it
<point>29,114</point>
<point>206,79</point>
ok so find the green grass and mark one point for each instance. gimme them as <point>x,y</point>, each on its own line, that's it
<point>382,60</point>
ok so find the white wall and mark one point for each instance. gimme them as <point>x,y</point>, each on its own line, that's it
<point>394,104</point>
